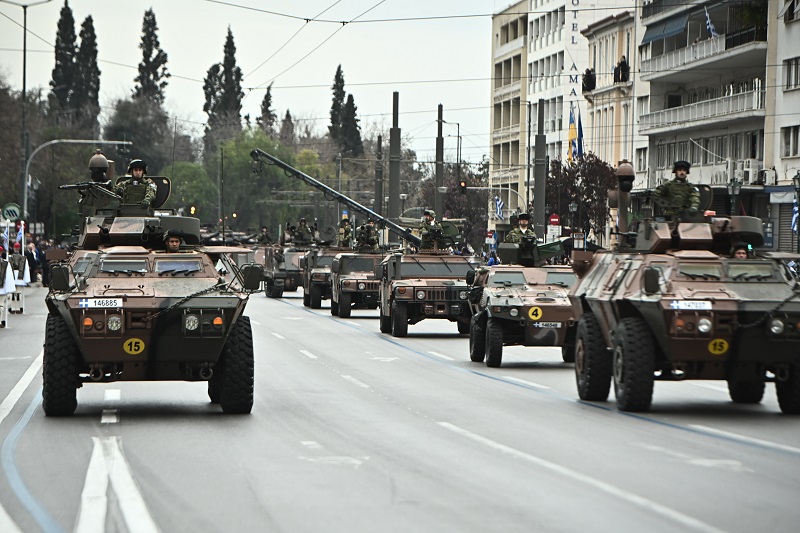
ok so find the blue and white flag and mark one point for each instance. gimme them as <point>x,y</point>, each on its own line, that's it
<point>794,215</point>
<point>498,207</point>
<point>5,238</point>
<point>710,25</point>
<point>21,233</point>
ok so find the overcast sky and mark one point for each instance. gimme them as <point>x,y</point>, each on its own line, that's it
<point>441,58</point>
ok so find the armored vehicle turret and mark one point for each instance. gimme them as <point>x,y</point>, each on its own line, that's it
<point>123,306</point>
<point>670,303</point>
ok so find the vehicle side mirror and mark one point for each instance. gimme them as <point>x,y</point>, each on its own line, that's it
<point>651,280</point>
<point>59,277</point>
<point>470,277</point>
<point>335,266</point>
<point>378,271</point>
<point>252,274</point>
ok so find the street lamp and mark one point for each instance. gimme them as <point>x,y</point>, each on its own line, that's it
<point>796,182</point>
<point>403,197</point>
<point>734,188</point>
<point>573,208</point>
<point>23,141</point>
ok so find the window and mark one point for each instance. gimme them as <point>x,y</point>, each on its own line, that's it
<point>792,69</point>
<point>790,137</point>
<point>792,11</point>
<point>641,158</point>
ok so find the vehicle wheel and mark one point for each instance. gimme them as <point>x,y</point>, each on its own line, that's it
<point>593,366</point>
<point>789,392</point>
<point>269,290</point>
<point>746,391</point>
<point>344,306</point>
<point>568,353</point>
<point>494,342</point>
<point>399,319</point>
<point>634,365</point>
<point>306,298</point>
<point>385,323</point>
<point>316,297</point>
<point>60,374</point>
<point>237,364</point>
<point>334,307</point>
<point>463,327</point>
<point>214,387</point>
<point>277,293</point>
<point>477,338</point>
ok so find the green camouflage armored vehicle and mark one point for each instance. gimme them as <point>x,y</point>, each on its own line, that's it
<point>517,303</point>
<point>353,282</point>
<point>669,303</point>
<point>121,308</point>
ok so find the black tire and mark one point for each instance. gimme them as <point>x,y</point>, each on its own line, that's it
<point>568,353</point>
<point>277,293</point>
<point>344,305</point>
<point>306,298</point>
<point>214,387</point>
<point>494,342</point>
<point>315,299</point>
<point>746,391</point>
<point>788,392</point>
<point>477,338</point>
<point>334,307</point>
<point>385,323</point>
<point>593,363</point>
<point>237,368</point>
<point>60,369</point>
<point>269,290</point>
<point>399,319</point>
<point>634,365</point>
<point>463,327</point>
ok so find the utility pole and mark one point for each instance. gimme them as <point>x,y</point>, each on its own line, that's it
<point>439,179</point>
<point>528,163</point>
<point>394,160</point>
<point>338,185</point>
<point>379,177</point>
<point>540,175</point>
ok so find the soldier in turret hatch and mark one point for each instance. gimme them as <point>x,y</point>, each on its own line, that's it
<point>138,188</point>
<point>522,231</point>
<point>98,167</point>
<point>678,195</point>
<point>430,230</point>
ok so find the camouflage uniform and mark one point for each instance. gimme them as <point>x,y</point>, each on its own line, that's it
<point>264,238</point>
<point>345,236</point>
<point>427,231</point>
<point>133,191</point>
<point>516,235</point>
<point>366,239</point>
<point>676,196</point>
<point>303,234</point>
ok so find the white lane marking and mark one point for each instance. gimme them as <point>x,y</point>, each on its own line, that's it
<point>292,318</point>
<point>523,382</point>
<point>437,354</point>
<point>335,460</point>
<point>736,436</point>
<point>644,503</point>
<point>278,335</point>
<point>12,358</point>
<point>355,381</point>
<point>109,465</point>
<point>708,386</point>
<point>112,395</point>
<point>6,522</point>
<point>308,354</point>
<point>384,359</point>
<point>109,416</point>
<point>725,464</point>
<point>255,322</point>
<point>311,444</point>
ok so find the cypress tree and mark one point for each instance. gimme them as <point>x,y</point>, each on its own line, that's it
<point>267,119</point>
<point>287,130</point>
<point>64,72</point>
<point>350,135</point>
<point>223,91</point>
<point>337,106</point>
<point>86,98</point>
<point>152,78</point>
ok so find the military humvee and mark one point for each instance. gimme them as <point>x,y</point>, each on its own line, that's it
<point>315,270</point>
<point>282,270</point>
<point>517,303</point>
<point>669,304</point>
<point>120,308</point>
<point>414,287</point>
<point>353,283</point>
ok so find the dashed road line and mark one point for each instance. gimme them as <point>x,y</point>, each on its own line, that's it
<point>308,354</point>
<point>524,382</point>
<point>112,395</point>
<point>742,438</point>
<point>441,356</point>
<point>278,335</point>
<point>355,381</point>
<point>109,416</point>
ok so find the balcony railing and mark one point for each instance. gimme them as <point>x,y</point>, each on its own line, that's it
<point>708,109</point>
<point>659,6</point>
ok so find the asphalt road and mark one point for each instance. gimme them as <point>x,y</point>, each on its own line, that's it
<point>353,430</point>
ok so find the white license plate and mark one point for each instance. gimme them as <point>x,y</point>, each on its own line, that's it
<point>546,324</point>
<point>86,303</point>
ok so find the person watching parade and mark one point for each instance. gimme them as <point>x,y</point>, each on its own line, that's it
<point>137,188</point>
<point>521,232</point>
<point>678,195</point>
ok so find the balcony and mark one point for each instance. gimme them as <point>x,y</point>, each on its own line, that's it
<point>663,7</point>
<point>508,92</point>
<point>511,46</point>
<point>506,134</point>
<point>716,111</point>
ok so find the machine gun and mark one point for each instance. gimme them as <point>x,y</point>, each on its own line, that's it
<point>97,198</point>
<point>260,156</point>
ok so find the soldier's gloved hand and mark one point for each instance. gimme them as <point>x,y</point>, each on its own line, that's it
<point>692,210</point>
<point>144,203</point>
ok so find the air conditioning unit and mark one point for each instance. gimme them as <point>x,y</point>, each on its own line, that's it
<point>750,170</point>
<point>766,176</point>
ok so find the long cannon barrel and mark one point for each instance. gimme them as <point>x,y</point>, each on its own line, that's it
<point>260,155</point>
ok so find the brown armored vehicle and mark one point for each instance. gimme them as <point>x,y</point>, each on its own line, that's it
<point>669,304</point>
<point>517,303</point>
<point>353,283</point>
<point>282,270</point>
<point>414,287</point>
<point>315,269</point>
<point>120,308</point>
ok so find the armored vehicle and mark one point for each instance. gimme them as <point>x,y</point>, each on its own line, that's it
<point>414,287</point>
<point>121,308</point>
<point>281,268</point>
<point>315,269</point>
<point>353,283</point>
<point>670,304</point>
<point>517,303</point>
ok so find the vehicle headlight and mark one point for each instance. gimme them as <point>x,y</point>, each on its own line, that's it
<point>514,311</point>
<point>776,326</point>
<point>114,322</point>
<point>191,322</point>
<point>704,325</point>
<point>420,295</point>
<point>462,295</point>
<point>362,286</point>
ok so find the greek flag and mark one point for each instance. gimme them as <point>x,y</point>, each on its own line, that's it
<point>5,238</point>
<point>21,232</point>
<point>710,25</point>
<point>498,207</point>
<point>794,215</point>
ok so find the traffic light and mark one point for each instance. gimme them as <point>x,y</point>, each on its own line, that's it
<point>192,210</point>
<point>462,185</point>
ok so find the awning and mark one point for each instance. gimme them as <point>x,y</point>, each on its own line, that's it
<point>666,28</point>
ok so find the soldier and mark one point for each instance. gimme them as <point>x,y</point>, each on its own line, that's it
<point>138,188</point>
<point>430,230</point>
<point>522,231</point>
<point>264,236</point>
<point>173,241</point>
<point>678,195</point>
<point>345,233</point>
<point>303,234</point>
<point>740,250</point>
<point>98,167</point>
<point>367,237</point>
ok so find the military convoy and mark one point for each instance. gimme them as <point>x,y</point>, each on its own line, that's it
<point>120,308</point>
<point>315,269</point>
<point>353,283</point>
<point>521,302</point>
<point>669,304</point>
